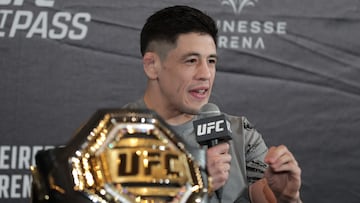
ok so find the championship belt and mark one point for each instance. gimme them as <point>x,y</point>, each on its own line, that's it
<point>119,155</point>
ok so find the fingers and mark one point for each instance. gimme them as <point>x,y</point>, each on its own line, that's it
<point>218,164</point>
<point>281,159</point>
<point>283,174</point>
<point>222,148</point>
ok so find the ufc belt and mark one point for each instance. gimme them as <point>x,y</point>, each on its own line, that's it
<point>119,155</point>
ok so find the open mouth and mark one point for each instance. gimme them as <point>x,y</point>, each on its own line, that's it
<point>202,91</point>
<point>199,92</point>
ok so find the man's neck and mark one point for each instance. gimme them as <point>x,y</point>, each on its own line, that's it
<point>180,119</point>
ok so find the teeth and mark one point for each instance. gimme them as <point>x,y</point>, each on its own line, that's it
<point>201,91</point>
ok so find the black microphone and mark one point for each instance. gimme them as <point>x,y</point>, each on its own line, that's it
<point>212,127</point>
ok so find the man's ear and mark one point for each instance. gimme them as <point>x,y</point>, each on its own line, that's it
<point>151,62</point>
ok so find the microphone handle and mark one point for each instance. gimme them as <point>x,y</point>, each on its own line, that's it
<point>218,193</point>
<point>214,142</point>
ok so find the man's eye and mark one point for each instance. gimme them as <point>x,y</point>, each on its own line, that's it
<point>191,61</point>
<point>213,61</point>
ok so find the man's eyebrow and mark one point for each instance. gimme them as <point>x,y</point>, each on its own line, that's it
<point>197,55</point>
<point>213,56</point>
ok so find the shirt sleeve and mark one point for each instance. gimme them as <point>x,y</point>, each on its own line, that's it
<point>249,147</point>
<point>255,151</point>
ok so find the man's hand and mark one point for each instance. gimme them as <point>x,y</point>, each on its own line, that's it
<point>218,164</point>
<point>283,174</point>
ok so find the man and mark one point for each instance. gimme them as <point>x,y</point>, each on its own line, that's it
<point>178,45</point>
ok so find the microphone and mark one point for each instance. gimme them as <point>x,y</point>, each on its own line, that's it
<point>212,127</point>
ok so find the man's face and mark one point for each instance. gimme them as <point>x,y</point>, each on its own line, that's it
<point>187,73</point>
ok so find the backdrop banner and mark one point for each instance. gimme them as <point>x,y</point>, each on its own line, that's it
<point>291,67</point>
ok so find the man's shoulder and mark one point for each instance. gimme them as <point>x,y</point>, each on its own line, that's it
<point>138,104</point>
<point>244,132</point>
<point>240,121</point>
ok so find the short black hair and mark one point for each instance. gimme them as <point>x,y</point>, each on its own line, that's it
<point>167,24</point>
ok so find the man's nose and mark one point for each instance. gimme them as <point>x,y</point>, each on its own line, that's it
<point>203,71</point>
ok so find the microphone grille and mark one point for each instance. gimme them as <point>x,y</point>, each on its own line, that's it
<point>209,109</point>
